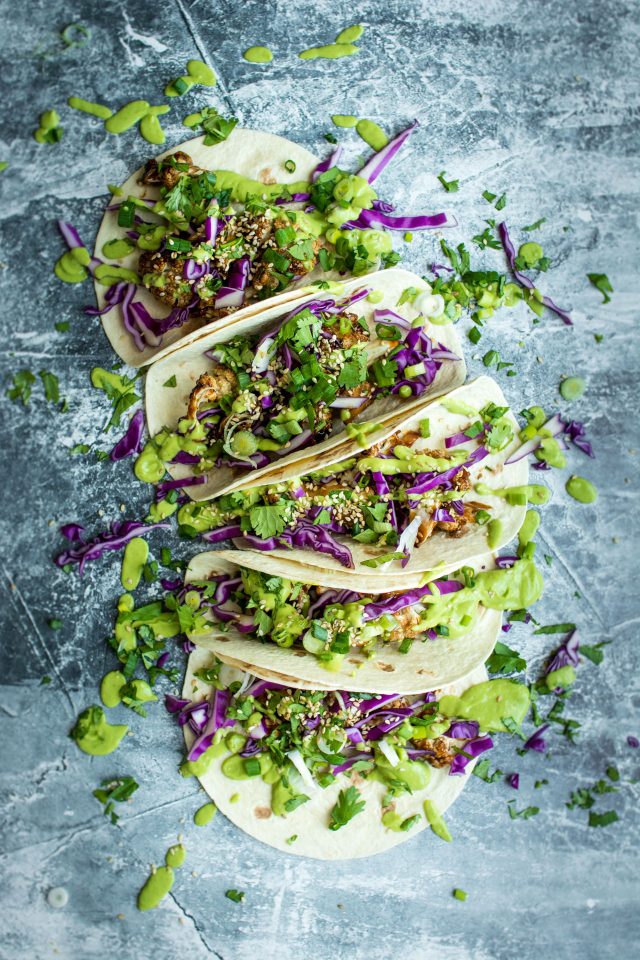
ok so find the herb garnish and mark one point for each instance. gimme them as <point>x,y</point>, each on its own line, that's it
<point>348,805</point>
<point>115,791</point>
<point>602,283</point>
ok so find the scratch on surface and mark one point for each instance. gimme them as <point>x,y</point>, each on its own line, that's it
<point>186,16</point>
<point>155,807</point>
<point>211,952</point>
<point>41,649</point>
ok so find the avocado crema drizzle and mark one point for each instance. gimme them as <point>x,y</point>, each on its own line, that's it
<point>268,396</point>
<point>394,497</point>
<point>299,740</point>
<point>331,623</point>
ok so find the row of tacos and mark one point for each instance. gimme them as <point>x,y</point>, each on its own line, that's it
<point>355,488</point>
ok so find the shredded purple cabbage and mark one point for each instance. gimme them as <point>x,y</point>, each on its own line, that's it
<point>131,442</point>
<point>522,278</point>
<point>115,538</point>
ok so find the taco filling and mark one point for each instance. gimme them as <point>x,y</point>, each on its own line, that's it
<point>320,366</point>
<point>331,624</point>
<point>302,742</point>
<point>395,498</point>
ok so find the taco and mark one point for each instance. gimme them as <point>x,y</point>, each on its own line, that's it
<point>261,617</point>
<point>332,774</point>
<point>204,233</point>
<point>434,493</point>
<point>287,382</point>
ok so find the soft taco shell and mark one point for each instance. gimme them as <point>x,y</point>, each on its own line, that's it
<point>440,553</point>
<point>364,836</point>
<point>164,406</point>
<point>250,153</point>
<point>433,663</point>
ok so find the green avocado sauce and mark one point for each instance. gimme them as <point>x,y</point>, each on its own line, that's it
<point>115,249</point>
<point>494,533</point>
<point>350,34</point>
<point>69,269</point>
<point>517,495</point>
<point>562,677</point>
<point>393,821</point>
<point>529,527</point>
<point>331,51</point>
<point>94,735</point>
<point>175,856</point>
<point>435,820</point>
<point>156,888</point>
<point>136,554</point>
<point>459,406</point>
<point>127,116</point>
<point>109,273</point>
<point>372,134</point>
<point>201,73</point>
<point>490,703</point>
<point>151,129</point>
<point>581,490</point>
<point>204,814</point>
<point>413,774</point>
<point>110,687</point>
<point>94,109</point>
<point>344,120</point>
<point>195,768</point>
<point>243,187</point>
<point>258,55</point>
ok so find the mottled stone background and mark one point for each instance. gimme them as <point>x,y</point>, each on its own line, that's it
<point>536,98</point>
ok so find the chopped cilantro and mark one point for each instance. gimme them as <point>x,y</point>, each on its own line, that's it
<point>595,652</point>
<point>62,326</point>
<point>45,681</point>
<point>23,380</point>
<point>171,382</point>
<point>54,623</point>
<point>536,225</point>
<point>486,239</point>
<point>474,335</point>
<point>505,660</point>
<point>451,186</point>
<point>602,819</point>
<point>51,386</point>
<point>330,138</point>
<point>80,449</point>
<point>481,770</point>
<point>115,791</point>
<point>236,895</point>
<point>348,805</point>
<point>602,283</point>
<point>524,814</point>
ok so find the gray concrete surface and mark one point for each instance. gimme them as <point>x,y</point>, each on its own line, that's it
<point>536,98</point>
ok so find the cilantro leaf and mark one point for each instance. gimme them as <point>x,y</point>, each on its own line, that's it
<point>486,239</point>
<point>51,386</point>
<point>536,225</point>
<point>348,805</point>
<point>521,814</point>
<point>451,186</point>
<point>602,283</point>
<point>236,895</point>
<point>505,660</point>
<point>354,370</point>
<point>268,521</point>
<point>602,819</point>
<point>23,380</point>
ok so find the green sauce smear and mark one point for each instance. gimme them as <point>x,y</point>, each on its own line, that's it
<point>175,856</point>
<point>372,134</point>
<point>136,554</point>
<point>436,822</point>
<point>94,735</point>
<point>490,703</point>
<point>204,814</point>
<point>110,687</point>
<point>344,120</point>
<point>127,116</point>
<point>94,109</point>
<point>156,888</point>
<point>258,55</point>
<point>332,51</point>
<point>581,490</point>
<point>350,34</point>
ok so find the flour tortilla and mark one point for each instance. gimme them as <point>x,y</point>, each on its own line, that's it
<point>363,836</point>
<point>165,406</point>
<point>433,663</point>
<point>251,153</point>
<point>441,553</point>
